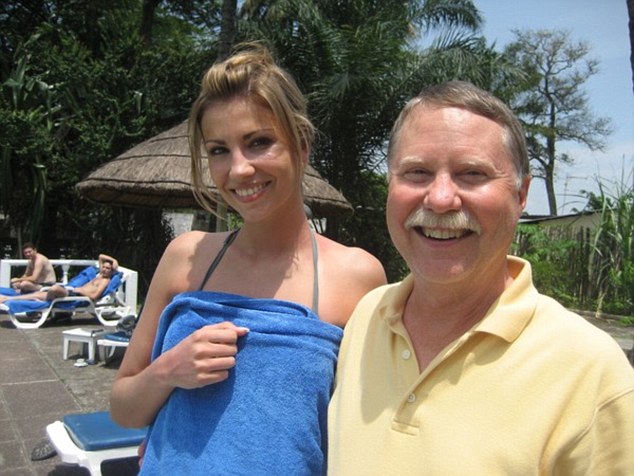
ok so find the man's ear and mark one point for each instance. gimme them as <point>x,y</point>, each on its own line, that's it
<point>523,191</point>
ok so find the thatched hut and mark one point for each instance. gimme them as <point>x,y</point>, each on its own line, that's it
<point>156,174</point>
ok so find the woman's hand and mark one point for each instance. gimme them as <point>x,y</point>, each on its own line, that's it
<point>205,357</point>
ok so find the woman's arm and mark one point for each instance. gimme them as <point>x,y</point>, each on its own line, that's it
<point>142,386</point>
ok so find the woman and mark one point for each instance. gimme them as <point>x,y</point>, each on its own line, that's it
<point>255,307</point>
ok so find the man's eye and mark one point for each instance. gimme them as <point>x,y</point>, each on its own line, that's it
<point>474,175</point>
<point>416,175</point>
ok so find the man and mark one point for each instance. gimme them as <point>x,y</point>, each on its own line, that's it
<point>463,367</point>
<point>93,289</point>
<point>39,271</point>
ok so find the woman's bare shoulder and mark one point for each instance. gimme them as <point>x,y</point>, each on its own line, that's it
<point>346,275</point>
<point>351,258</point>
<point>187,256</point>
<point>192,243</point>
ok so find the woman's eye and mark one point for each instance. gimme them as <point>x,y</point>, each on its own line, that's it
<point>216,151</point>
<point>261,142</point>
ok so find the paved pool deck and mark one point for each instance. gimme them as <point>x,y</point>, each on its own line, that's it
<point>38,387</point>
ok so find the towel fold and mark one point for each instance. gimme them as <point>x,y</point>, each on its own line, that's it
<point>269,416</point>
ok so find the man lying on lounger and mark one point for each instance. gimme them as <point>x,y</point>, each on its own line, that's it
<point>93,289</point>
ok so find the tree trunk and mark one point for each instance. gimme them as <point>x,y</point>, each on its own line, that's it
<point>227,28</point>
<point>147,19</point>
<point>630,14</point>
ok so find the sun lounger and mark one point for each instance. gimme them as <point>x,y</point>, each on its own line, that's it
<point>108,309</point>
<point>89,439</point>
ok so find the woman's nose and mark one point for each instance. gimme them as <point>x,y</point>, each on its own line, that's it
<point>240,164</point>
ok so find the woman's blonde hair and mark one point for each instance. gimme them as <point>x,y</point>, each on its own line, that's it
<point>250,72</point>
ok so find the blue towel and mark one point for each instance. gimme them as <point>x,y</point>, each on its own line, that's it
<point>8,291</point>
<point>269,416</point>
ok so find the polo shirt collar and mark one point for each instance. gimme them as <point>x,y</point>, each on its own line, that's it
<point>506,318</point>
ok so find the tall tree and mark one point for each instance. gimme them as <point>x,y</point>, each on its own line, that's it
<point>553,102</point>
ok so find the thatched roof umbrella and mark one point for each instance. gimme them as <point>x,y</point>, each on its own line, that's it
<point>156,173</point>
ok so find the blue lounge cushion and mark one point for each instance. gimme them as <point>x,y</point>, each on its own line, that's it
<point>96,431</point>
<point>119,336</point>
<point>8,292</point>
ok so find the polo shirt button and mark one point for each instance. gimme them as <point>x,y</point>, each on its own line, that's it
<point>406,354</point>
<point>411,398</point>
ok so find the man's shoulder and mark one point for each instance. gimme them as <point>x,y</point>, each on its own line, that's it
<point>571,330</point>
<point>42,258</point>
<point>382,302</point>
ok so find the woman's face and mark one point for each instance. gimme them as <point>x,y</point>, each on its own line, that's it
<point>249,159</point>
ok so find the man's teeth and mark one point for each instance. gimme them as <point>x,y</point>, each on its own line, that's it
<point>442,234</point>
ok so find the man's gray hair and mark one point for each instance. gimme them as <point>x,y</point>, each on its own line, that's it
<point>462,94</point>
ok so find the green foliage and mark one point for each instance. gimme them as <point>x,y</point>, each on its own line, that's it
<point>588,269</point>
<point>98,77</point>
<point>28,117</point>
<point>612,265</point>
<point>550,260</point>
<point>87,89</point>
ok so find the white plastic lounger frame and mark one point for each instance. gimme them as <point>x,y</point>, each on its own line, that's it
<point>107,310</point>
<point>118,442</point>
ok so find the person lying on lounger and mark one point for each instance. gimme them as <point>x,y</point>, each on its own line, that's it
<point>93,289</point>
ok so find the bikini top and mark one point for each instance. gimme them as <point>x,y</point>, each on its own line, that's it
<point>232,237</point>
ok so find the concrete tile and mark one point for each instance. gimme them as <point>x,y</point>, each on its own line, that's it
<point>4,416</point>
<point>7,432</point>
<point>34,427</point>
<point>12,458</point>
<point>14,372</point>
<point>38,398</point>
<point>18,472</point>
<point>10,334</point>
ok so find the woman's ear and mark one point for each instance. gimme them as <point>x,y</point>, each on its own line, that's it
<point>305,153</point>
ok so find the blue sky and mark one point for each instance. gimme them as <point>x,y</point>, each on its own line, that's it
<point>603,25</point>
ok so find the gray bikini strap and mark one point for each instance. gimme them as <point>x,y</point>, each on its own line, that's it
<point>214,264</point>
<point>315,272</point>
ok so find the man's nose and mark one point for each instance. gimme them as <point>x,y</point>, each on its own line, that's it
<point>443,194</point>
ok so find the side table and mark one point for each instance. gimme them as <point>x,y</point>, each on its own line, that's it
<point>87,337</point>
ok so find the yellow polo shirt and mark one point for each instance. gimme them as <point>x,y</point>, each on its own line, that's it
<point>532,389</point>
